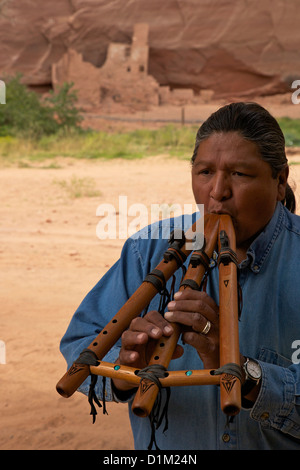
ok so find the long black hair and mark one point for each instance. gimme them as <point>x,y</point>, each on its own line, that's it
<point>256,124</point>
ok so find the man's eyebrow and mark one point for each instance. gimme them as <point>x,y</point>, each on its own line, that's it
<point>238,164</point>
<point>202,162</point>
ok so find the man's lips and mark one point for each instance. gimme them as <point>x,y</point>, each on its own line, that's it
<point>219,211</point>
<point>223,211</point>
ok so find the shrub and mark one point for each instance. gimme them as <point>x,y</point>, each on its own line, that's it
<point>27,115</point>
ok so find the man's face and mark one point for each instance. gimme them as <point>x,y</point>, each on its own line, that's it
<point>229,176</point>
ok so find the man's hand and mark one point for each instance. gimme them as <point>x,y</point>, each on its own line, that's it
<point>139,341</point>
<point>199,315</point>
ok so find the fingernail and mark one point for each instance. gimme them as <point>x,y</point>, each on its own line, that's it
<point>155,331</point>
<point>171,304</point>
<point>168,315</point>
<point>168,329</point>
<point>177,295</point>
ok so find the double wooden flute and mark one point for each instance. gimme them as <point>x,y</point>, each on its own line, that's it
<point>134,306</point>
<point>219,235</point>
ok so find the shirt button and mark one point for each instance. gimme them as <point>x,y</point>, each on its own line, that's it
<point>225,437</point>
<point>264,416</point>
<point>255,268</point>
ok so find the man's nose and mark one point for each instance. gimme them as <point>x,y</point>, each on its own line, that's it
<point>220,189</point>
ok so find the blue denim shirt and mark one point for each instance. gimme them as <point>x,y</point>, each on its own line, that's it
<point>268,327</point>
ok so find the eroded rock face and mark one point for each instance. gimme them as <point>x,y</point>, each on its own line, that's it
<point>226,46</point>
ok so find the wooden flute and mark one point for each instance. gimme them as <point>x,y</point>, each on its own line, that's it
<point>219,235</point>
<point>230,384</point>
<point>135,305</point>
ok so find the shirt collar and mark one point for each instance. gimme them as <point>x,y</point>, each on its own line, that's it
<point>261,246</point>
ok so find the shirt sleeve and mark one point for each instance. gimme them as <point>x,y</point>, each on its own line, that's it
<point>97,309</point>
<point>278,403</point>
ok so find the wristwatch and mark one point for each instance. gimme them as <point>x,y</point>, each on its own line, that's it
<point>252,371</point>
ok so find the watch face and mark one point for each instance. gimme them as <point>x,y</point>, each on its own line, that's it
<point>253,369</point>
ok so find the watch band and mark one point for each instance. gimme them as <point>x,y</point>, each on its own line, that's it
<point>247,386</point>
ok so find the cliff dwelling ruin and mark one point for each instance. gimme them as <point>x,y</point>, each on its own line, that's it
<point>123,82</point>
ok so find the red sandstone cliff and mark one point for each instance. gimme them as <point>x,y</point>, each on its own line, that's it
<point>228,46</point>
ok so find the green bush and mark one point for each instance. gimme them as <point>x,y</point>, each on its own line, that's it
<point>25,114</point>
<point>291,130</point>
<point>63,104</point>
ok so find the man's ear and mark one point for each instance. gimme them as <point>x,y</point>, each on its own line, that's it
<point>282,178</point>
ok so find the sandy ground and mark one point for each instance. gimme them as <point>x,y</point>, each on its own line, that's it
<point>50,258</point>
